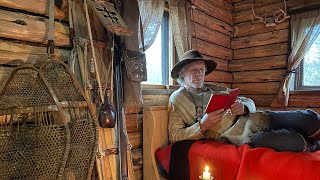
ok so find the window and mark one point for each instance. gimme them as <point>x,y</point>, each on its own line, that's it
<point>308,76</point>
<point>157,55</point>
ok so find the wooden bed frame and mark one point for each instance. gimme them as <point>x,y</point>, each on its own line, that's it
<point>155,134</point>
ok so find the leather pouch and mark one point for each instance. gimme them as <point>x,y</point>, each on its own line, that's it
<point>135,63</point>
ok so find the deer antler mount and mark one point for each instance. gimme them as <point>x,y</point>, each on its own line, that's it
<point>270,21</point>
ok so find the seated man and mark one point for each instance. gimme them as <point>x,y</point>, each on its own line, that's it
<point>238,125</point>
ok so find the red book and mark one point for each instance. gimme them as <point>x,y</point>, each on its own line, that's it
<point>222,101</point>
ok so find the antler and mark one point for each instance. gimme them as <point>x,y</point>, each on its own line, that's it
<point>270,21</point>
<point>255,18</point>
<point>284,14</point>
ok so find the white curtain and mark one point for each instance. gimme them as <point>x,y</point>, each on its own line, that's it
<point>305,28</point>
<point>180,22</point>
<point>151,12</point>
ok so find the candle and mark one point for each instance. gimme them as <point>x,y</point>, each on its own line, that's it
<point>206,175</point>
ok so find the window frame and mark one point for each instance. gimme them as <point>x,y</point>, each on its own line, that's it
<point>165,58</point>
<point>168,54</point>
<point>297,85</point>
<point>298,78</point>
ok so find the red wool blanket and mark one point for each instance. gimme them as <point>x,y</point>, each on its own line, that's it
<point>245,163</point>
<point>229,162</point>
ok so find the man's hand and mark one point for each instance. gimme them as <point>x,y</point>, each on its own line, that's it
<point>237,108</point>
<point>211,119</point>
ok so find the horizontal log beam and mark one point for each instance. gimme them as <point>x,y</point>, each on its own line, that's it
<point>157,91</point>
<point>258,76</point>
<point>249,28</point>
<point>308,5</point>
<point>212,50</point>
<point>34,6</point>
<point>247,4</point>
<point>306,100</point>
<point>272,62</point>
<point>29,28</point>
<point>17,53</point>
<point>228,85</point>
<point>219,76</point>
<point>218,3</point>
<point>134,123</point>
<point>155,100</point>
<point>261,100</point>
<point>270,10</point>
<point>148,90</point>
<point>153,86</point>
<point>214,11</point>
<point>222,64</point>
<point>135,139</point>
<point>261,51</point>
<point>211,22</point>
<point>260,39</point>
<point>209,35</point>
<point>257,88</point>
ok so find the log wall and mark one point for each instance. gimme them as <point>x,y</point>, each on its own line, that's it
<point>23,34</point>
<point>212,30</point>
<point>249,56</point>
<point>260,53</point>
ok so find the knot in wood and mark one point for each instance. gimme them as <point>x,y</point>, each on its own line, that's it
<point>21,22</point>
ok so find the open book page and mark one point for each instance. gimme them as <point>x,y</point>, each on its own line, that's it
<point>222,101</point>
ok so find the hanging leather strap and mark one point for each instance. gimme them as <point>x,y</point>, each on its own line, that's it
<point>50,43</point>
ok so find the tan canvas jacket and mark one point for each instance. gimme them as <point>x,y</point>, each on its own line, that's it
<point>182,114</point>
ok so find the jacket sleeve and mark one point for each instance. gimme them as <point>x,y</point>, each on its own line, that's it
<point>177,128</point>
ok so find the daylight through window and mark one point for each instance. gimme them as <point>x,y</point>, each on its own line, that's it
<point>311,66</point>
<point>157,55</point>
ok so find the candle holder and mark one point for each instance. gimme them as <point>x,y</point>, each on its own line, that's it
<point>200,177</point>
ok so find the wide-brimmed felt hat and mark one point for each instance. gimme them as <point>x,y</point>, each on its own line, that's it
<point>190,57</point>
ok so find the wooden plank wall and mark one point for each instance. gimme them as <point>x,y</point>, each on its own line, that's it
<point>212,30</point>
<point>153,95</point>
<point>23,34</point>
<point>134,118</point>
<point>260,53</point>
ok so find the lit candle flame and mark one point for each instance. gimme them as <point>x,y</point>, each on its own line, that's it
<point>206,174</point>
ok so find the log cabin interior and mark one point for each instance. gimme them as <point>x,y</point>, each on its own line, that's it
<point>250,40</point>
